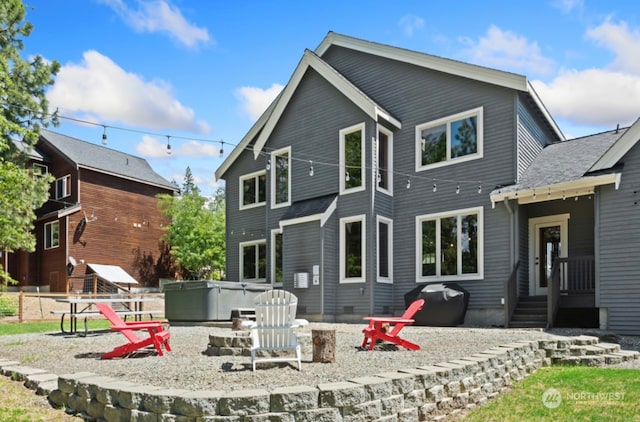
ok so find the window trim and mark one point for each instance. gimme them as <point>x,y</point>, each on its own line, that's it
<point>389,223</point>
<point>255,175</point>
<point>241,247</point>
<point>48,240</point>
<point>272,177</point>
<point>389,134</point>
<point>343,171</point>
<point>272,254</point>
<point>480,245</point>
<point>362,218</point>
<point>66,183</point>
<point>44,167</point>
<point>478,112</point>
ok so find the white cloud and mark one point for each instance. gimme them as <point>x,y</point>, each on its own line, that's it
<point>99,87</point>
<point>568,5</point>
<point>152,147</point>
<point>410,23</point>
<point>254,101</point>
<point>622,41</point>
<point>605,96</point>
<point>160,16</point>
<point>507,50</point>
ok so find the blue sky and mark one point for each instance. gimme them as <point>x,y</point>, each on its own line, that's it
<point>194,73</point>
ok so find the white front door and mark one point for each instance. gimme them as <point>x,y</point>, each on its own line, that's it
<point>547,241</point>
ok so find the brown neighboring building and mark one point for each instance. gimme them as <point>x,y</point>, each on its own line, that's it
<point>102,209</point>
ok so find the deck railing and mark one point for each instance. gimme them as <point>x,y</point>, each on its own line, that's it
<point>93,284</point>
<point>569,276</point>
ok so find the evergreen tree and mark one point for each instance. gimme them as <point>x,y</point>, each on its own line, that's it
<point>23,110</point>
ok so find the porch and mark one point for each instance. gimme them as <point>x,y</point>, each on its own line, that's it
<point>571,287</point>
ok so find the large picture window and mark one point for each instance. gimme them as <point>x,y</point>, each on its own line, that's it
<point>253,261</point>
<point>281,178</point>
<point>385,250</point>
<point>452,139</point>
<point>352,159</point>
<point>52,235</point>
<point>253,189</point>
<point>352,249</point>
<point>449,245</point>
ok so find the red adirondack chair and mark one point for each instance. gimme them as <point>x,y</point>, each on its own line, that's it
<point>158,337</point>
<point>388,328</point>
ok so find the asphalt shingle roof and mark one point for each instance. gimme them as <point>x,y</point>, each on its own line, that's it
<point>309,207</point>
<point>105,160</point>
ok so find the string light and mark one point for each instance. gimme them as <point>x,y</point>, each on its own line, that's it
<point>221,148</point>
<point>268,165</point>
<point>564,196</point>
<point>479,188</point>
<point>457,189</point>
<point>168,145</point>
<point>408,182</point>
<point>104,135</point>
<point>347,178</point>
<point>435,187</point>
<point>310,168</point>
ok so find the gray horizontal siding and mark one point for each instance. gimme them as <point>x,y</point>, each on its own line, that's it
<point>619,249</point>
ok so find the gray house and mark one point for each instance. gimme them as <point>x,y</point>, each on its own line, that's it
<point>378,169</point>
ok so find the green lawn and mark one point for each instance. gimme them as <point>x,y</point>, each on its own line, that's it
<point>11,328</point>
<point>568,394</point>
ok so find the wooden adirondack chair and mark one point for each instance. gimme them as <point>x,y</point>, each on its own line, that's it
<point>388,328</point>
<point>274,329</point>
<point>158,337</point>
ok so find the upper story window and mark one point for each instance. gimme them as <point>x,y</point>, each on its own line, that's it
<point>40,169</point>
<point>63,187</point>
<point>451,139</point>
<point>385,249</point>
<point>52,235</point>
<point>352,249</point>
<point>281,177</point>
<point>449,245</point>
<point>253,189</point>
<point>352,159</point>
<point>385,160</point>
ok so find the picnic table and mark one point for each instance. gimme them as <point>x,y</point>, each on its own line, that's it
<point>83,307</point>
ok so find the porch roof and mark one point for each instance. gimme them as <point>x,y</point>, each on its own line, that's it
<point>319,208</point>
<point>563,169</point>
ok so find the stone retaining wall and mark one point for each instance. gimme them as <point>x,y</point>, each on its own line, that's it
<point>423,393</point>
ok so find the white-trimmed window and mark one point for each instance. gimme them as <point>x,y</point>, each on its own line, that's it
<point>449,245</point>
<point>352,162</point>
<point>63,187</point>
<point>277,257</point>
<point>385,249</point>
<point>452,139</point>
<point>253,189</point>
<point>352,249</point>
<point>384,167</point>
<point>52,235</point>
<point>281,178</point>
<point>253,261</point>
<point>40,169</point>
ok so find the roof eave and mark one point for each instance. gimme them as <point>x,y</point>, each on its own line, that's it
<point>619,148</point>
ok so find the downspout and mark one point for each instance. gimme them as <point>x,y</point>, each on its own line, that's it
<point>373,224</point>
<point>321,273</point>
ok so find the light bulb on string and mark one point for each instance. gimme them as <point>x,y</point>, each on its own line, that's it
<point>435,187</point>
<point>564,195</point>
<point>408,182</point>
<point>268,164</point>
<point>104,136</point>
<point>168,144</point>
<point>221,148</point>
<point>479,188</point>
<point>457,189</point>
<point>347,177</point>
<point>310,168</point>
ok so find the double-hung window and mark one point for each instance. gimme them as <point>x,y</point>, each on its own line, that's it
<point>352,162</point>
<point>449,245</point>
<point>63,187</point>
<point>253,261</point>
<point>52,235</point>
<point>352,249</point>
<point>451,139</point>
<point>281,178</point>
<point>253,189</point>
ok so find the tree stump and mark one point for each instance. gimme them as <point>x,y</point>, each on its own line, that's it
<point>324,345</point>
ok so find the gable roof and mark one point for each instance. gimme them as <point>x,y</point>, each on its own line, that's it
<point>312,209</point>
<point>629,138</point>
<point>261,130</point>
<point>551,175</point>
<point>104,160</point>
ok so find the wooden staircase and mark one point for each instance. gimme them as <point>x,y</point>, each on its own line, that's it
<point>530,312</point>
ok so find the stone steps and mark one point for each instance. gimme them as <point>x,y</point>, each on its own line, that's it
<point>586,350</point>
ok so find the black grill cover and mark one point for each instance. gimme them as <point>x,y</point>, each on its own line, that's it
<point>445,304</point>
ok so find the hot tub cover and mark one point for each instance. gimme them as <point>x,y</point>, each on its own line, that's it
<point>445,304</point>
